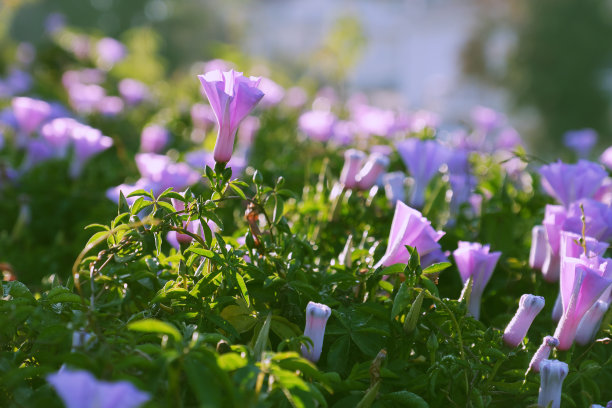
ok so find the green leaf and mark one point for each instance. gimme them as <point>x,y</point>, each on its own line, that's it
<point>338,355</point>
<point>401,301</point>
<point>61,294</point>
<point>231,361</point>
<point>207,253</point>
<point>405,399</point>
<point>369,397</point>
<point>393,269</point>
<point>262,338</point>
<point>413,315</point>
<point>437,267</point>
<point>237,190</point>
<point>243,288</point>
<point>141,192</point>
<point>155,326</point>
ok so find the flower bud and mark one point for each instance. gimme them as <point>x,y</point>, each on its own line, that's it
<point>316,319</point>
<point>368,175</point>
<point>542,353</point>
<point>529,307</point>
<point>557,309</point>
<point>352,164</point>
<point>539,247</point>
<point>552,374</point>
<point>589,325</point>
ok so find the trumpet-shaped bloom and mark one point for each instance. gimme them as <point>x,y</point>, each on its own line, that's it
<point>583,281</point>
<point>570,246</point>
<point>368,175</point>
<point>604,194</point>
<point>317,124</point>
<point>110,51</point>
<point>487,119</point>
<point>589,325</point>
<point>352,164</point>
<point>598,219</point>
<point>80,389</point>
<point>316,319</point>
<point>133,91</point>
<point>87,143</point>
<point>394,186</point>
<point>409,227</point>
<point>581,141</point>
<point>554,220</point>
<point>571,182</point>
<point>153,139</point>
<point>552,374</point>
<point>529,307</point>
<point>474,260</point>
<point>273,92</point>
<point>539,247</point>
<point>542,353</point>
<point>232,97</point>
<point>30,113</point>
<point>423,159</point>
<point>606,158</point>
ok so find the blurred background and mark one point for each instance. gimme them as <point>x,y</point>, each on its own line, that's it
<point>545,64</point>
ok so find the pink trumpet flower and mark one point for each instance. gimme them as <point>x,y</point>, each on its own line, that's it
<point>529,307</point>
<point>571,182</point>
<point>409,227</point>
<point>589,325</point>
<point>552,374</point>
<point>316,319</point>
<point>606,158</point>
<point>368,175</point>
<point>570,246</point>
<point>539,247</point>
<point>474,260</point>
<point>583,281</point>
<point>80,389</point>
<point>87,143</point>
<point>542,353</point>
<point>153,139</point>
<point>232,97</point>
<point>554,219</point>
<point>352,164</point>
<point>317,124</point>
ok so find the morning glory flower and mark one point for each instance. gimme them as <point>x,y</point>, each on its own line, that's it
<point>552,374</point>
<point>232,97</point>
<point>529,307</point>
<point>606,158</point>
<point>581,141</point>
<point>589,325</point>
<point>598,219</point>
<point>571,182</point>
<point>316,319</point>
<point>368,175</point>
<point>394,186</point>
<point>554,219</point>
<point>352,164</point>
<point>583,281</point>
<point>133,91</point>
<point>30,113</point>
<point>539,247</point>
<point>153,139</point>
<point>87,143</point>
<point>423,159</point>
<point>409,227</point>
<point>542,353</point>
<point>80,389</point>
<point>110,52</point>
<point>317,124</point>
<point>474,260</point>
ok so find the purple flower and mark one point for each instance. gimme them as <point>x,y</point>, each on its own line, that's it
<point>371,170</point>
<point>606,158</point>
<point>570,246</point>
<point>529,307</point>
<point>409,227</point>
<point>38,151</point>
<point>571,182</point>
<point>316,319</point>
<point>583,281</point>
<point>273,92</point>
<point>153,139</point>
<point>161,173</point>
<point>247,131</point>
<point>373,121</point>
<point>344,132</point>
<point>589,325</point>
<point>458,162</point>
<point>394,186</point>
<point>508,139</point>
<point>295,97</point>
<point>554,218</point>
<point>85,98</point>
<point>110,105</point>
<point>462,186</point>
<point>133,91</point>
<point>113,193</point>
<point>199,159</point>
<point>30,113</point>
<point>552,374</point>
<point>423,159</point>
<point>539,247</point>
<point>542,353</point>
<point>474,260</point>
<point>486,119</point>
<point>598,219</point>
<point>604,194</point>
<point>110,52</point>
<point>423,119</point>
<point>352,164</point>
<point>80,389</point>
<point>202,116</point>
<point>87,143</point>
<point>317,124</point>
<point>232,97</point>
<point>581,141</point>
